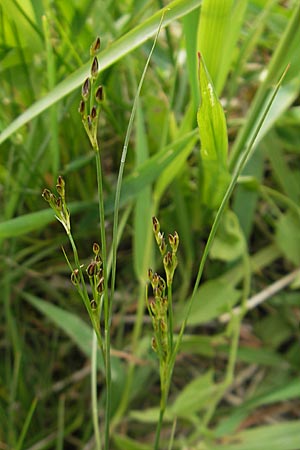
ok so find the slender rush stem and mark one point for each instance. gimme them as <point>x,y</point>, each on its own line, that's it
<point>125,398</point>
<point>107,307</point>
<point>94,393</point>
<point>158,428</point>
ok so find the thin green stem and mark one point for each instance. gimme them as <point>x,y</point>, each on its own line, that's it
<point>83,291</point>
<point>135,339</point>
<point>60,423</point>
<point>94,393</point>
<point>268,192</point>
<point>158,428</point>
<point>107,301</point>
<point>123,160</point>
<point>26,424</point>
<point>125,397</point>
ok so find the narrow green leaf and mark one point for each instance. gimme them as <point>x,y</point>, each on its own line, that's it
<point>133,39</point>
<point>142,213</point>
<point>150,170</point>
<point>219,29</point>
<point>30,222</point>
<point>214,143</point>
<point>286,53</point>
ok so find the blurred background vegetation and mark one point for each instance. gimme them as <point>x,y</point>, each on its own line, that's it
<point>223,396</point>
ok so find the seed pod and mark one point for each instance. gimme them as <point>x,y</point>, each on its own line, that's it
<point>162,245</point>
<point>154,344</point>
<point>168,260</point>
<point>95,47</point>
<point>156,226</point>
<point>99,94</point>
<point>81,107</point>
<point>75,277</point>
<point>94,68</point>
<point>58,204</point>
<point>174,241</point>
<point>60,186</point>
<point>89,121</point>
<point>100,286</point>
<point>94,112</point>
<point>96,248</point>
<point>93,304</point>
<point>150,275</point>
<point>91,269</point>
<point>86,87</point>
<point>163,325</point>
<point>152,306</point>
<point>46,195</point>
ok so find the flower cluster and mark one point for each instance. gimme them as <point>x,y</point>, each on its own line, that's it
<point>169,257</point>
<point>95,273</point>
<point>160,307</point>
<point>158,310</point>
<point>58,204</point>
<point>92,97</point>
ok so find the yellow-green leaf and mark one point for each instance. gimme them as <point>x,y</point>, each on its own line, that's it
<point>214,142</point>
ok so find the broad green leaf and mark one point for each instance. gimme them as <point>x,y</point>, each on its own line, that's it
<point>214,142</point>
<point>82,335</point>
<point>262,356</point>
<point>287,177</point>
<point>288,390</point>
<point>229,243</point>
<point>195,396</point>
<point>149,415</point>
<point>121,442</point>
<point>247,193</point>
<point>288,236</point>
<point>280,436</point>
<point>202,345</point>
<point>212,299</point>
<point>74,327</point>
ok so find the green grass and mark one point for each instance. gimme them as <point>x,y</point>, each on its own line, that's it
<point>235,381</point>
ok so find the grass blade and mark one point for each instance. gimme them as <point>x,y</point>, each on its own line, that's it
<point>116,51</point>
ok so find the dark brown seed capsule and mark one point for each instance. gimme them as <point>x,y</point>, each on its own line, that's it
<point>95,47</point>
<point>86,87</point>
<point>95,67</point>
<point>99,94</point>
<point>46,195</point>
<point>81,107</point>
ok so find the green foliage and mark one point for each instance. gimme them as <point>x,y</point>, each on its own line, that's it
<point>214,142</point>
<point>230,379</point>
